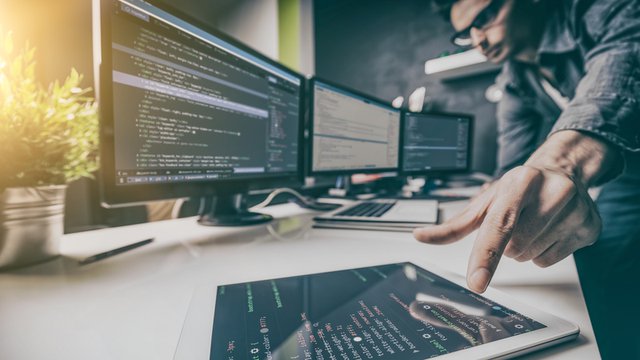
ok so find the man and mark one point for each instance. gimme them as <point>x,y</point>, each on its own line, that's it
<point>569,120</point>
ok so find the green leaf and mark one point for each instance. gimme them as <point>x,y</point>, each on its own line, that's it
<point>48,134</point>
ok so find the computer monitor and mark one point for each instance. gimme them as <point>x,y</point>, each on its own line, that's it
<point>436,143</point>
<point>189,112</point>
<point>351,132</point>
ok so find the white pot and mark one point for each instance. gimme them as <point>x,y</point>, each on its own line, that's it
<point>31,225</point>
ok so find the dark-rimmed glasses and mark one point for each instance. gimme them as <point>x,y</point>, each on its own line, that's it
<point>462,38</point>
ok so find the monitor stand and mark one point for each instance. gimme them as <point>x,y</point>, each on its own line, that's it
<point>342,189</point>
<point>228,210</point>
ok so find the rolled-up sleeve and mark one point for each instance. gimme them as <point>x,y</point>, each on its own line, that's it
<point>607,100</point>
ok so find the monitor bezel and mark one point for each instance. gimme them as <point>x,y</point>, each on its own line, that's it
<point>436,172</point>
<point>310,108</point>
<point>113,195</point>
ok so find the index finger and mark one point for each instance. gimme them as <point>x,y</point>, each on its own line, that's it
<point>495,233</point>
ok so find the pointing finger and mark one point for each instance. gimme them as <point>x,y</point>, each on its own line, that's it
<point>498,227</point>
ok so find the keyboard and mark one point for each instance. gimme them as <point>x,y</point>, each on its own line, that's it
<point>371,209</point>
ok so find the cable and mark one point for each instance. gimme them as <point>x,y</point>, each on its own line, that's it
<point>300,200</point>
<point>175,210</point>
<point>279,191</point>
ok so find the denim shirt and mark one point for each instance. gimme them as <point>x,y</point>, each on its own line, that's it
<point>592,48</point>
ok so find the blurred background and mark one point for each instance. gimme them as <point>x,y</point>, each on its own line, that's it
<point>375,46</point>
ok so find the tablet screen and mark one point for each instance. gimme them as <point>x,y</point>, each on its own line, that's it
<point>397,311</point>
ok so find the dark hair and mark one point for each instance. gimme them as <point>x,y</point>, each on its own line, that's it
<point>443,7</point>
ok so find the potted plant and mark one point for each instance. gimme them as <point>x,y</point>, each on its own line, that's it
<point>48,137</point>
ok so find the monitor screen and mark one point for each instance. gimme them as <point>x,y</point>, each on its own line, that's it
<point>436,142</point>
<point>352,132</point>
<point>188,106</point>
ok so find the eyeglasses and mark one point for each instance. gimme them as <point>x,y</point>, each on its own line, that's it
<point>462,38</point>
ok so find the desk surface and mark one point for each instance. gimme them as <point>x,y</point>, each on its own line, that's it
<point>132,306</point>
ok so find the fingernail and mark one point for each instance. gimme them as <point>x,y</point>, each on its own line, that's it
<point>479,280</point>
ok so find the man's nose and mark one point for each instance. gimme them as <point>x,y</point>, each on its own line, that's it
<point>478,38</point>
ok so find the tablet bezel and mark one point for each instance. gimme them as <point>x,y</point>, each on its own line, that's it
<point>195,338</point>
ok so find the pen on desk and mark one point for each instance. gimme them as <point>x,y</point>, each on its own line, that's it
<point>120,250</point>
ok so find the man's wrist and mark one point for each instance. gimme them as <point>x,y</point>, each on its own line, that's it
<point>585,158</point>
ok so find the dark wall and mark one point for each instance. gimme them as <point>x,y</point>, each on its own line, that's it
<point>380,46</point>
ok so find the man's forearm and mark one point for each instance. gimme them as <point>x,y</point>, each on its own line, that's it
<point>587,159</point>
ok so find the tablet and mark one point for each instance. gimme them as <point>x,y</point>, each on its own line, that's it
<point>392,311</point>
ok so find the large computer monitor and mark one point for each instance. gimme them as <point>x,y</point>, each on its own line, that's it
<point>436,143</point>
<point>351,132</point>
<point>188,112</point>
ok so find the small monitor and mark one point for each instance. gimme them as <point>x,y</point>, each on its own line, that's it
<point>351,132</point>
<point>436,143</point>
<point>189,112</point>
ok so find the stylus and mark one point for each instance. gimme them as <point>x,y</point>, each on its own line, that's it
<point>120,250</point>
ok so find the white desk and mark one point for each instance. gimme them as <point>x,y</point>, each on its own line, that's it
<point>132,306</point>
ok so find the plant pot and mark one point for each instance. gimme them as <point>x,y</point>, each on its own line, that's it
<point>31,225</point>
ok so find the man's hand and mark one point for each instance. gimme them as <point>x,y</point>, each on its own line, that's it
<point>540,211</point>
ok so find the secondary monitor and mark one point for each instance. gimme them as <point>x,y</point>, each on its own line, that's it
<point>435,143</point>
<point>351,132</point>
<point>189,112</point>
